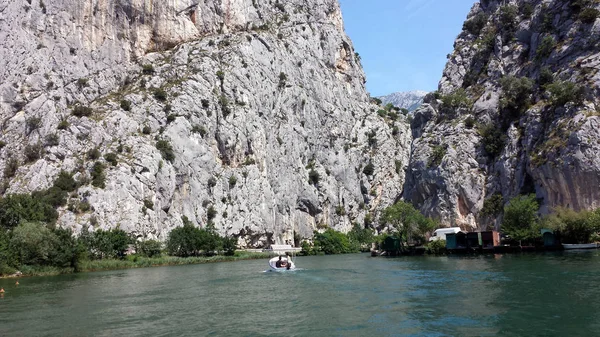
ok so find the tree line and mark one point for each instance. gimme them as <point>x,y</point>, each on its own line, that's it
<point>401,219</point>
<point>522,222</point>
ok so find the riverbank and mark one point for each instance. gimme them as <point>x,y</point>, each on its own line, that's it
<point>135,262</point>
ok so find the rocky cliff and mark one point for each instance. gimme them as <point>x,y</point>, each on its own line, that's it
<point>516,112</point>
<point>249,114</point>
<point>409,100</point>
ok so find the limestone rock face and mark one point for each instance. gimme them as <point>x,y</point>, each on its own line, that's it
<point>550,148</point>
<point>409,100</point>
<point>254,98</point>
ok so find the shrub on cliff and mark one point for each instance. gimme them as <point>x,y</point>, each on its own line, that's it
<point>94,154</point>
<point>546,77</point>
<point>545,48</point>
<point>160,95</point>
<point>313,177</point>
<point>455,100</point>
<point>589,15</point>
<point>578,5</point>
<point>369,169</point>
<point>493,205</point>
<point>166,150</point>
<point>469,122</point>
<point>437,154</point>
<point>81,111</point>
<point>516,94</point>
<point>526,10</point>
<point>508,16</point>
<point>563,92</point>
<point>33,152</point>
<point>492,139</point>
<point>126,105</point>
<point>11,167</point>
<point>112,158</point>
<point>98,176</point>
<point>147,69</point>
<point>476,23</point>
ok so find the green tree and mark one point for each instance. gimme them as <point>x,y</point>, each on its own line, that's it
<point>520,218</point>
<point>109,244</point>
<point>408,222</point>
<point>360,236</point>
<point>67,251</point>
<point>229,245</point>
<point>17,208</point>
<point>573,226</point>
<point>184,241</point>
<point>209,239</point>
<point>333,242</point>
<point>149,248</point>
<point>8,259</point>
<point>33,243</point>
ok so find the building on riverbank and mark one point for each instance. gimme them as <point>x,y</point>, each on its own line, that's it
<point>456,241</point>
<point>472,241</point>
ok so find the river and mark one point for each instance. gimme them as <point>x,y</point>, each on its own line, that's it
<point>552,294</point>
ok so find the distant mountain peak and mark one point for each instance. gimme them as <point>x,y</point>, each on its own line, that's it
<point>409,100</point>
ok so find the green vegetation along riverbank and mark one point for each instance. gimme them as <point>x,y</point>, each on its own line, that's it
<point>134,261</point>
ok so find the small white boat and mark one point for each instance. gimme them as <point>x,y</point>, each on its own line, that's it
<point>567,246</point>
<point>273,264</point>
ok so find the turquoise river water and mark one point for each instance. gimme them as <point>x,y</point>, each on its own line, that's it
<point>554,294</point>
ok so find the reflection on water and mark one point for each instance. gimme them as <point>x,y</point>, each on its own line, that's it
<point>354,295</point>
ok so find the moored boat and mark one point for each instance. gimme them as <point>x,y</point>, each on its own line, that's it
<point>567,246</point>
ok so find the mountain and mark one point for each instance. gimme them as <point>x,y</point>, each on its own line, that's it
<point>248,115</point>
<point>516,113</point>
<point>409,100</point>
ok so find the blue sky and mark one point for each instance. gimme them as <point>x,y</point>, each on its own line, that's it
<point>403,43</point>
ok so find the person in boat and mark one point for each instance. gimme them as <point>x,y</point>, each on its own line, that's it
<point>278,263</point>
<point>1,290</point>
<point>282,263</point>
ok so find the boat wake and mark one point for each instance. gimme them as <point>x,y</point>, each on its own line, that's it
<point>283,271</point>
